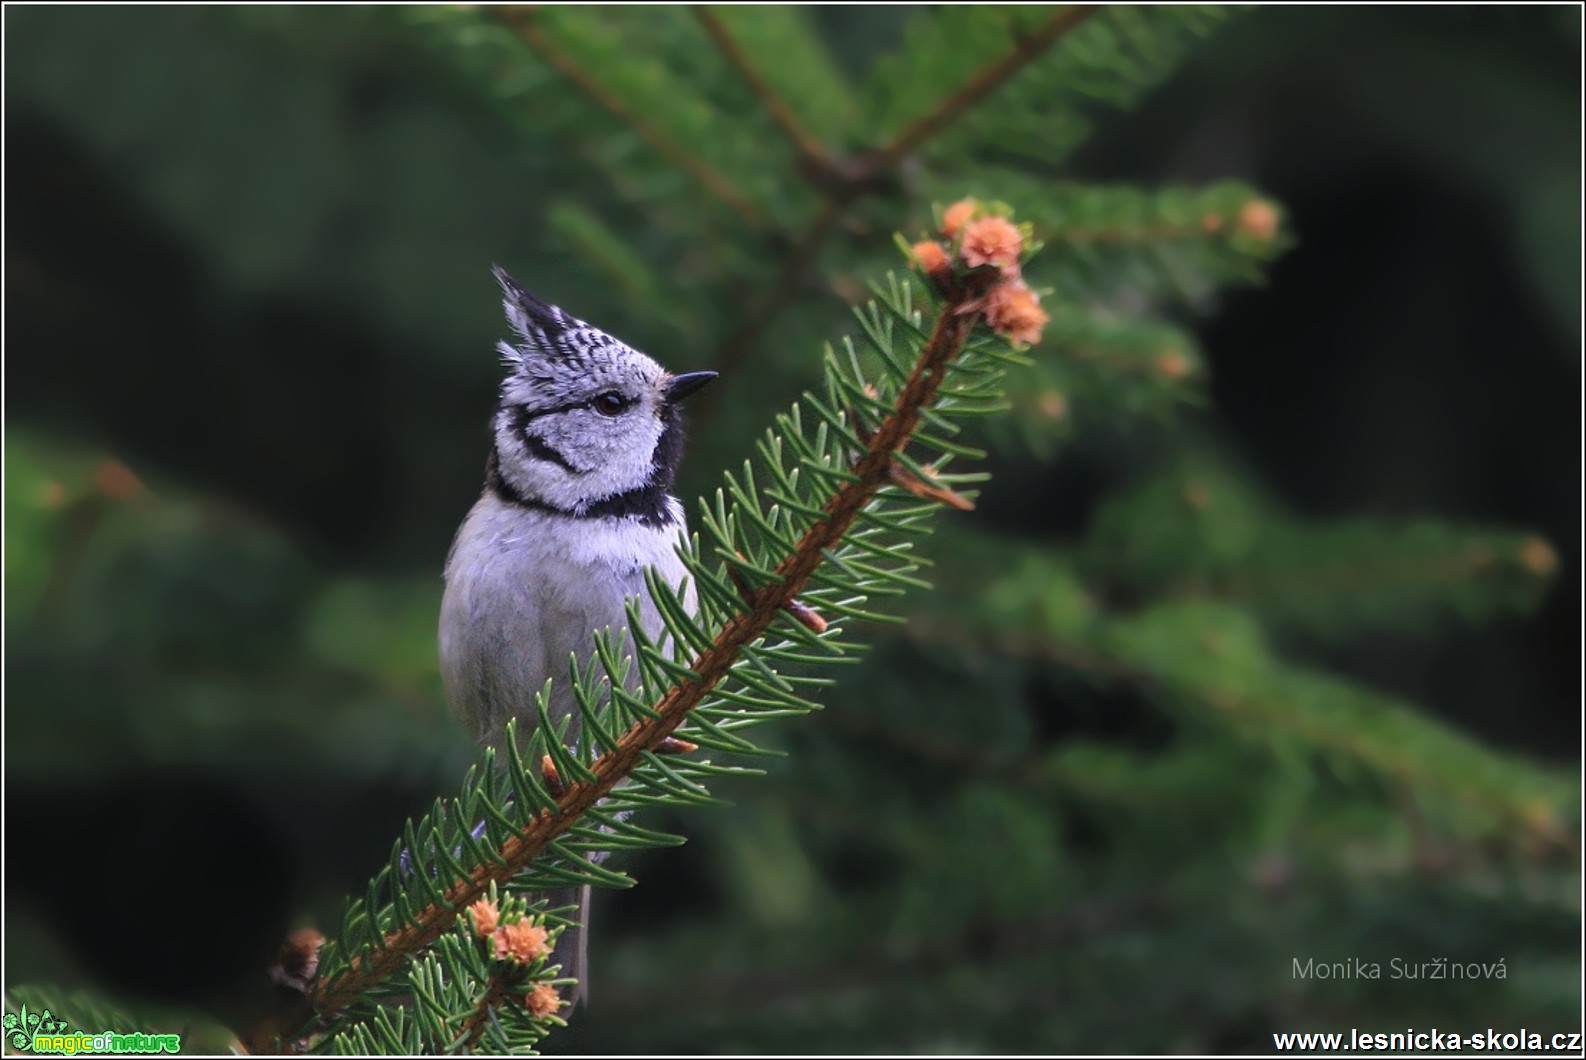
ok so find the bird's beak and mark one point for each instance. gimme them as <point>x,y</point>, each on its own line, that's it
<point>683,385</point>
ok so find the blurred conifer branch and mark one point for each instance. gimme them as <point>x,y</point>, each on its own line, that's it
<point>978,68</point>
<point>812,151</point>
<point>1026,48</point>
<point>844,181</point>
<point>1195,650</point>
<point>521,19</point>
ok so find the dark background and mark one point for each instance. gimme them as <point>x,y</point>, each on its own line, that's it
<point>247,260</point>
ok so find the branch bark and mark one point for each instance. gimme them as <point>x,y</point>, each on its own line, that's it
<point>474,1026</point>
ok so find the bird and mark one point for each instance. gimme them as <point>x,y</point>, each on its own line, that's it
<point>586,439</point>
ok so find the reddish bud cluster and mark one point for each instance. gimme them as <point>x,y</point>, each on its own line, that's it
<point>986,240</point>
<point>522,941</point>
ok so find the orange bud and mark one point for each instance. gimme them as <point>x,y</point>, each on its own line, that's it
<point>1173,364</point>
<point>1258,219</point>
<point>957,216</point>
<point>486,917</point>
<point>992,241</point>
<point>931,257</point>
<point>553,779</point>
<point>1053,405</point>
<point>1538,557</point>
<point>1014,311</point>
<point>806,615</point>
<point>522,942</point>
<point>543,1000</point>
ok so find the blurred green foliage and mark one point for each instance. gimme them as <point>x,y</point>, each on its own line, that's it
<point>1102,789</point>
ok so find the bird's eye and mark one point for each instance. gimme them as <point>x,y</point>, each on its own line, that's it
<point>610,403</point>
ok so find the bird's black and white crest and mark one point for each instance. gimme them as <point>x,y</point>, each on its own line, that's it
<point>586,425</point>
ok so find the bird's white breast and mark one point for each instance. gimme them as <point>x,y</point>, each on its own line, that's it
<point>527,588</point>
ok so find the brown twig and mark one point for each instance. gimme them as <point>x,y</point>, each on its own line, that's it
<point>551,778</point>
<point>521,21</point>
<point>871,472</point>
<point>982,83</point>
<point>813,152</point>
<point>931,491</point>
<point>474,1026</point>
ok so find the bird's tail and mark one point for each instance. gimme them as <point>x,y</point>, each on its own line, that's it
<point>572,947</point>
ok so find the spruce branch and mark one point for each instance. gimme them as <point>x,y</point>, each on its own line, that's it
<point>543,822</point>
<point>521,20</point>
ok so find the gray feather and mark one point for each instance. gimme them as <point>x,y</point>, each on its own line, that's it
<point>525,591</point>
<point>576,507</point>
